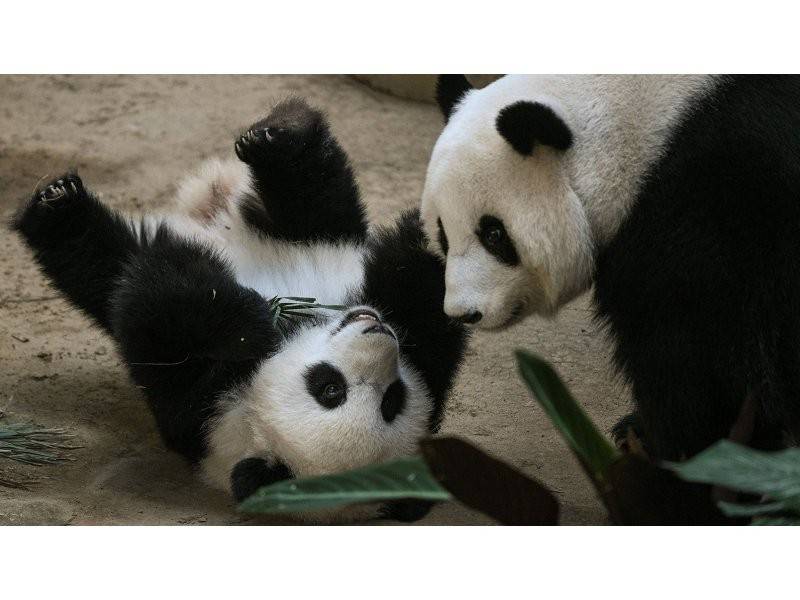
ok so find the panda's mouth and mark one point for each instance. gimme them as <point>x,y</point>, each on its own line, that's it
<point>376,325</point>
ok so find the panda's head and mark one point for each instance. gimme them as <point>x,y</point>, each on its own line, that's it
<point>336,396</point>
<point>499,207</point>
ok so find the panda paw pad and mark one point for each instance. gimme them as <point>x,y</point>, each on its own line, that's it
<point>64,188</point>
<point>253,145</point>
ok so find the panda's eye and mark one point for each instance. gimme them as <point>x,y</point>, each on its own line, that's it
<point>326,384</point>
<point>494,235</point>
<point>332,391</point>
<point>494,238</point>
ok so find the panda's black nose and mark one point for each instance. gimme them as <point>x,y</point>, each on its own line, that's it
<point>471,317</point>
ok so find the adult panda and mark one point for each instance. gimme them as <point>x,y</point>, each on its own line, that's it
<point>678,197</point>
<point>185,296</point>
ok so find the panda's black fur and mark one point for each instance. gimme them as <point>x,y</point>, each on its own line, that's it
<point>701,284</point>
<point>189,351</point>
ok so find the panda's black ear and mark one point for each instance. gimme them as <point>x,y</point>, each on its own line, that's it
<point>525,124</point>
<point>449,90</point>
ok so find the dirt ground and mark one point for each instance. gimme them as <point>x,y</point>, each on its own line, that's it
<point>131,139</point>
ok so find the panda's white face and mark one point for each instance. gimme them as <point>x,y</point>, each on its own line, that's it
<point>513,232</point>
<point>337,396</point>
<point>557,159</point>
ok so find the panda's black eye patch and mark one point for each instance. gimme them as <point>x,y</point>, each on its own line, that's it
<point>394,401</point>
<point>326,384</point>
<point>494,238</point>
<point>442,237</point>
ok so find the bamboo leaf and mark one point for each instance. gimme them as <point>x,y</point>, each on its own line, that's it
<point>776,521</point>
<point>731,509</point>
<point>31,444</point>
<point>288,309</point>
<point>730,465</point>
<point>593,450</point>
<point>404,478</point>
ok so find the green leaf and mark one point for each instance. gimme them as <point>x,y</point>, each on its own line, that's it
<point>730,465</point>
<point>776,521</point>
<point>404,478</point>
<point>288,309</point>
<point>34,445</point>
<point>731,509</point>
<point>589,445</point>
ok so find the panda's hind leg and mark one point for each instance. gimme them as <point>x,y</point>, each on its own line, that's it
<point>79,243</point>
<point>302,177</point>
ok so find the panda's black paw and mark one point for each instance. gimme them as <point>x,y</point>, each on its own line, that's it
<point>250,146</point>
<point>628,435</point>
<point>406,511</point>
<point>291,127</point>
<point>61,191</point>
<point>44,211</point>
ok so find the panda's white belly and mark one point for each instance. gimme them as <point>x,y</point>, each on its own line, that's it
<point>326,272</point>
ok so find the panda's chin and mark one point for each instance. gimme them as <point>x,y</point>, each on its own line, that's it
<point>517,314</point>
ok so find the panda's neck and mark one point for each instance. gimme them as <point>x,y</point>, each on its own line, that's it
<point>622,126</point>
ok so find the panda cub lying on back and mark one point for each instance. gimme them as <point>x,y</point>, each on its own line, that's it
<point>185,296</point>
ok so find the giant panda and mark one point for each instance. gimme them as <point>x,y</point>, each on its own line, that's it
<point>676,197</point>
<point>185,295</point>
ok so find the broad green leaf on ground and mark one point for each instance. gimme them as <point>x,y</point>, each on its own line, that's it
<point>488,485</point>
<point>594,451</point>
<point>731,509</point>
<point>776,521</point>
<point>730,465</point>
<point>404,478</point>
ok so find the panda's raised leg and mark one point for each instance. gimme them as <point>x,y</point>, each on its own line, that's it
<point>302,177</point>
<point>79,243</point>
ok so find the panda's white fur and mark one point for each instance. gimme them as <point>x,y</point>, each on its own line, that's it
<point>557,206</point>
<point>273,416</point>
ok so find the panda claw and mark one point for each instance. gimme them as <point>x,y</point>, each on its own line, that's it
<point>62,188</point>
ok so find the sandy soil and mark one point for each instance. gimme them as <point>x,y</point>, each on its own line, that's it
<point>131,138</point>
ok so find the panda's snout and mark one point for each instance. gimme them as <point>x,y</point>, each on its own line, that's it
<point>374,323</point>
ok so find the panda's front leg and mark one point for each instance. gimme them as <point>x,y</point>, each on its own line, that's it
<point>302,177</point>
<point>78,242</point>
